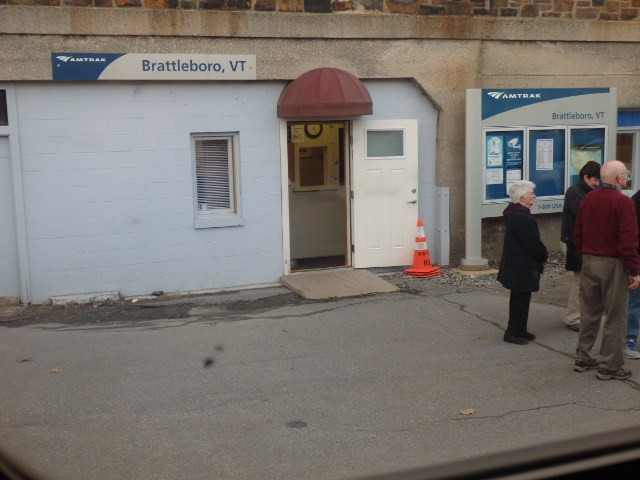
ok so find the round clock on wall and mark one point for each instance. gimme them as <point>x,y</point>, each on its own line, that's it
<point>313,130</point>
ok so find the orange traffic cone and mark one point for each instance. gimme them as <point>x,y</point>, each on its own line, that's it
<point>421,259</point>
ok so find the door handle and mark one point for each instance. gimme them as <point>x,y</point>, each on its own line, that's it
<point>413,201</point>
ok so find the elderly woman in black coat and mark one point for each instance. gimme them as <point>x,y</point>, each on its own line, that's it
<point>523,257</point>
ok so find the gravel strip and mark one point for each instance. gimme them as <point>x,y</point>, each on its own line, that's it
<point>450,276</point>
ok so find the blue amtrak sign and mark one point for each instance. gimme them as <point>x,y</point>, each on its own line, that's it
<point>496,101</point>
<point>151,66</point>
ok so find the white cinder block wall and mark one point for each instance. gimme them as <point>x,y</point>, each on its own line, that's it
<point>109,191</point>
<point>9,279</point>
<point>108,182</point>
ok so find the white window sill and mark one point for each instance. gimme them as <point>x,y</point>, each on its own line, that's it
<point>215,221</point>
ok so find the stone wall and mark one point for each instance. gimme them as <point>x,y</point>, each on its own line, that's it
<point>493,230</point>
<point>610,10</point>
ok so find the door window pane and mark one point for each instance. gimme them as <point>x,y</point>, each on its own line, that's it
<point>626,148</point>
<point>385,143</point>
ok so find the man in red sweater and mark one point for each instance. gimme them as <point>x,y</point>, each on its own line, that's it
<point>606,234</point>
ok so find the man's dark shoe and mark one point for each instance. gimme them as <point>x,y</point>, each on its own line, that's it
<point>621,374</point>
<point>529,336</point>
<point>584,365</point>
<point>517,340</point>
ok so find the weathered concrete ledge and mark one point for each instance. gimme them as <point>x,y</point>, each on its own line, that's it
<point>87,298</point>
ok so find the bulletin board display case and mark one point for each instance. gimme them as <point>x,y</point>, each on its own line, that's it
<point>544,135</point>
<point>550,157</point>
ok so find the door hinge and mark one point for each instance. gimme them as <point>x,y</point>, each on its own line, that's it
<point>351,194</point>
<point>353,248</point>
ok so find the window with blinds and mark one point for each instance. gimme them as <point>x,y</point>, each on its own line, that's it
<point>216,179</point>
<point>214,172</point>
<point>4,118</point>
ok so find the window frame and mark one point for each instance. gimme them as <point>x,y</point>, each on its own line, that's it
<point>232,216</point>
<point>634,167</point>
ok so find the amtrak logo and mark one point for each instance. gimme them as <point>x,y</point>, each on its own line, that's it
<point>66,59</point>
<point>505,96</point>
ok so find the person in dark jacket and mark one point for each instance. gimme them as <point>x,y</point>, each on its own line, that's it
<point>523,257</point>
<point>633,314</point>
<point>589,179</point>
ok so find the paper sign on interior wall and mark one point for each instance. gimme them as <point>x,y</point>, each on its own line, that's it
<point>494,151</point>
<point>512,177</point>
<point>297,133</point>
<point>152,66</point>
<point>544,154</point>
<point>494,176</point>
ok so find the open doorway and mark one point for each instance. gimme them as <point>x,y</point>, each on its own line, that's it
<point>318,195</point>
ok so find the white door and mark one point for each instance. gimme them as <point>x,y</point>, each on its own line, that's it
<point>385,192</point>
<point>9,279</point>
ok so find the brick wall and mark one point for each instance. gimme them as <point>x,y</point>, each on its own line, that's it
<point>609,10</point>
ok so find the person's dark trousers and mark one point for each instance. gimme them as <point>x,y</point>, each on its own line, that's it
<point>518,313</point>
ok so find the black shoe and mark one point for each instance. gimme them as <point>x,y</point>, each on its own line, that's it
<point>529,336</point>
<point>517,340</point>
<point>584,365</point>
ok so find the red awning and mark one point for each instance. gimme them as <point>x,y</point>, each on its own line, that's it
<point>325,92</point>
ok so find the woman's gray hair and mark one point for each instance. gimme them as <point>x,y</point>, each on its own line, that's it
<point>519,189</point>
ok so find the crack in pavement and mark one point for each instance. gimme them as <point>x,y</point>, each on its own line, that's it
<point>484,417</point>
<point>464,308</point>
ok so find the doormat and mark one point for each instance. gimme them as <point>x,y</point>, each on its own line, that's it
<point>325,284</point>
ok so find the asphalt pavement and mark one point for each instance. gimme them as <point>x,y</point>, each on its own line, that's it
<point>248,388</point>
